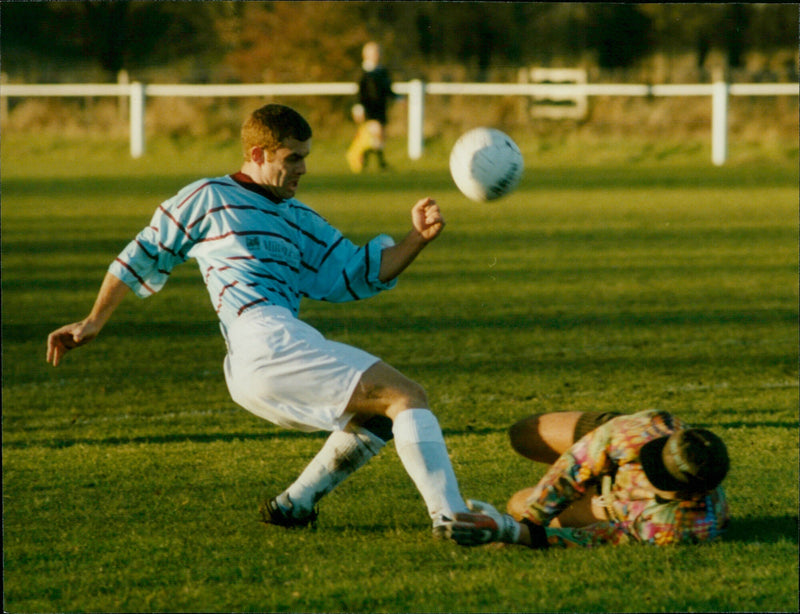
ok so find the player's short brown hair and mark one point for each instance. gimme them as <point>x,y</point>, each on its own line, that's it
<point>270,126</point>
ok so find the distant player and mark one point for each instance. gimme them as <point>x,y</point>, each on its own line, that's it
<point>642,478</point>
<point>260,250</point>
<point>371,112</point>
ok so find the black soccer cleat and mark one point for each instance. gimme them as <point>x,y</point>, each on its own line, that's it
<point>271,513</point>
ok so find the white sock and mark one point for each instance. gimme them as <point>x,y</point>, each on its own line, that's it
<point>421,448</point>
<point>342,454</point>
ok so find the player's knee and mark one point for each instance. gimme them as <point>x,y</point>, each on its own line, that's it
<point>385,391</point>
<point>406,395</point>
<point>415,395</point>
<point>403,392</point>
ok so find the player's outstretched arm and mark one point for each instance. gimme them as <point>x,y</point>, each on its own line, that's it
<point>427,223</point>
<point>484,524</point>
<point>70,336</point>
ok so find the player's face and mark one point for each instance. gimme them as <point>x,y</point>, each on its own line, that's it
<point>282,169</point>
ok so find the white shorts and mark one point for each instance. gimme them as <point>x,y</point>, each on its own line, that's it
<point>283,370</point>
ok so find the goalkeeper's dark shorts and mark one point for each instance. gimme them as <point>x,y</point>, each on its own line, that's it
<point>590,420</point>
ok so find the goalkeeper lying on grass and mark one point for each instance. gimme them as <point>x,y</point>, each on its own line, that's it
<point>613,479</point>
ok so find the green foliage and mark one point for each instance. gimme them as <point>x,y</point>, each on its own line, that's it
<point>315,41</point>
<point>281,41</point>
<point>117,35</point>
<point>621,34</point>
<point>619,276</point>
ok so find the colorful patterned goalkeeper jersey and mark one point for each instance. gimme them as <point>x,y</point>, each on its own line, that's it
<point>606,461</point>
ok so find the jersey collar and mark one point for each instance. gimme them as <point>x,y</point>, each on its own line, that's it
<point>247,183</point>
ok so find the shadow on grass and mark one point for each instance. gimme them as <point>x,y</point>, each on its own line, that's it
<point>382,322</point>
<point>741,424</point>
<point>616,175</point>
<point>763,530</point>
<point>60,443</point>
<point>38,331</point>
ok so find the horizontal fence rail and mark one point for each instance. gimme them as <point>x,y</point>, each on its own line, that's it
<point>416,91</point>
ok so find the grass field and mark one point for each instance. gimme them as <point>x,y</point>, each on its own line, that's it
<point>619,276</point>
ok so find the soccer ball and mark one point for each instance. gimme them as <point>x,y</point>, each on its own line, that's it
<point>485,164</point>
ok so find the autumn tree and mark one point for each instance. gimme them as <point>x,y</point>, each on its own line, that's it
<point>297,41</point>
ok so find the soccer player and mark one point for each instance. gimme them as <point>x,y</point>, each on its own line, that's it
<point>260,250</point>
<point>374,94</point>
<point>642,478</point>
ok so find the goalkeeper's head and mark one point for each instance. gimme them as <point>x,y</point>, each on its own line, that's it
<point>689,461</point>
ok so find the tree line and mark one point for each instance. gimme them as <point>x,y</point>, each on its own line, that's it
<point>309,41</point>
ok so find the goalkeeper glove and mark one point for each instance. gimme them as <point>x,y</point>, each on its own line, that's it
<point>483,525</point>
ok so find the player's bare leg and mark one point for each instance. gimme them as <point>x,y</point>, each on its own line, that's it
<point>342,453</point>
<point>585,511</point>
<point>385,404</point>
<point>544,437</point>
<point>384,391</point>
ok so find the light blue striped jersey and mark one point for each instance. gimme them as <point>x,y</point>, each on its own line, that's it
<point>251,250</point>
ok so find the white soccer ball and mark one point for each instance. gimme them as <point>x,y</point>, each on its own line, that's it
<point>485,164</point>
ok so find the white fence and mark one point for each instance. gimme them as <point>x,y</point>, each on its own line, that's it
<point>416,91</point>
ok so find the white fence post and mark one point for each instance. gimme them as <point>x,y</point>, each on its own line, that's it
<point>3,100</point>
<point>719,122</point>
<point>416,118</point>
<point>122,104</point>
<point>137,119</point>
<point>719,91</point>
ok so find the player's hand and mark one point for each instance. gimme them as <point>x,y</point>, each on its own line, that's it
<point>427,219</point>
<point>68,337</point>
<point>483,525</point>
